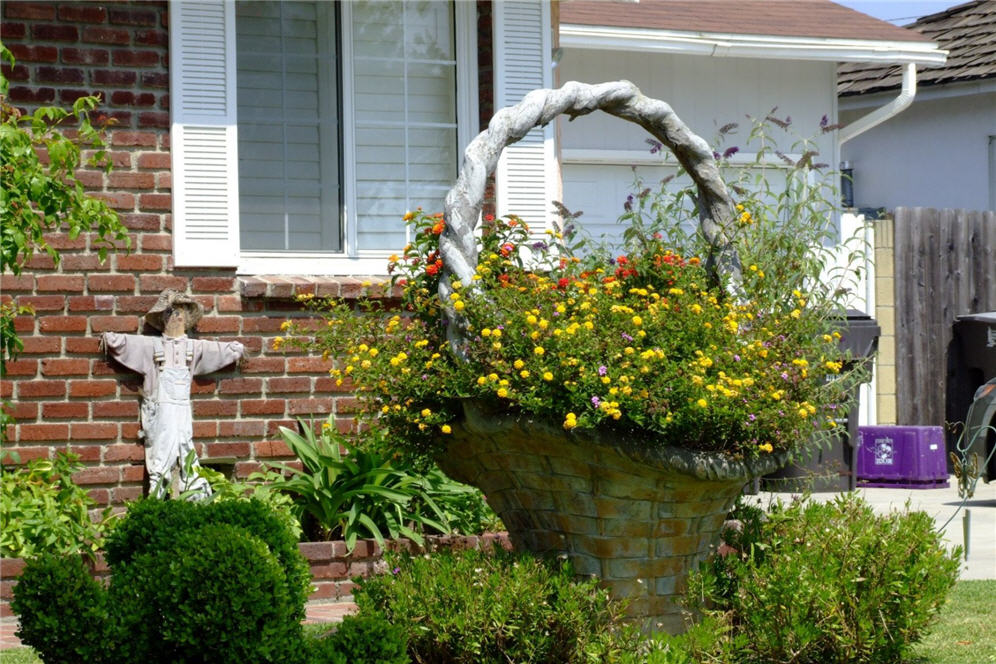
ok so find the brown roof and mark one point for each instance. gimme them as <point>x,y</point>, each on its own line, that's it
<point>786,18</point>
<point>967,31</point>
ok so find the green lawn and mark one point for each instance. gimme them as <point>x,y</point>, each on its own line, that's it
<point>963,634</point>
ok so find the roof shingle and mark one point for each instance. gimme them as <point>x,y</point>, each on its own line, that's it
<point>967,32</point>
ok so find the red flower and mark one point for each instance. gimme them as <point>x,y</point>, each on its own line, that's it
<point>438,228</point>
<point>507,248</point>
<point>489,217</point>
<point>432,269</point>
<point>622,260</point>
<point>562,283</point>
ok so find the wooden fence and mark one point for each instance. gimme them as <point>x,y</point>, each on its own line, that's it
<point>945,266</point>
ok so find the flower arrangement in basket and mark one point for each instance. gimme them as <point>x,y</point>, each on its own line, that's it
<point>723,339</point>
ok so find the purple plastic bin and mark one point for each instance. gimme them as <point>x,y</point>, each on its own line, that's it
<point>909,457</point>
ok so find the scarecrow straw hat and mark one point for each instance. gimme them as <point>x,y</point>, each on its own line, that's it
<point>173,299</point>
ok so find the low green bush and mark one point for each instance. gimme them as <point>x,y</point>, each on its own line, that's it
<point>62,610</point>
<point>826,582</point>
<point>216,595</point>
<point>361,639</point>
<point>154,525</point>
<point>476,607</point>
<point>43,511</point>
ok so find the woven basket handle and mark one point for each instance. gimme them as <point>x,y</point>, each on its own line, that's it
<point>458,245</point>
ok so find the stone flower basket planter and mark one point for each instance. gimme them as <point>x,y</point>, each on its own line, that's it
<point>637,517</point>
<point>634,514</point>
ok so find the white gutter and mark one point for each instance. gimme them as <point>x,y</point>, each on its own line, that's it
<point>718,44</point>
<point>883,113</point>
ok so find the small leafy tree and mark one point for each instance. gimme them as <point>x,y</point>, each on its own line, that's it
<point>40,193</point>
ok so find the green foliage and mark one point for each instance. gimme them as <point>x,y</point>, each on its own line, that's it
<point>216,594</point>
<point>477,607</point>
<point>153,525</point>
<point>37,197</point>
<point>463,507</point>
<point>828,582</point>
<point>43,511</point>
<point>62,610</point>
<point>361,639</point>
<point>356,493</point>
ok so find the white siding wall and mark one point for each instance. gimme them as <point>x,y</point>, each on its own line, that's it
<point>705,92</point>
<point>933,154</point>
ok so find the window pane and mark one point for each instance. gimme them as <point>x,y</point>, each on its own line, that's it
<point>288,126</point>
<point>404,78</point>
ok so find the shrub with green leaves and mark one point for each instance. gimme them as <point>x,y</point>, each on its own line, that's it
<point>828,582</point>
<point>43,511</point>
<point>361,639</point>
<point>62,610</point>
<point>216,595</point>
<point>477,607</point>
<point>153,525</point>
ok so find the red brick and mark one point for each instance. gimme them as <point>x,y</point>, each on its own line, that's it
<point>262,324</point>
<point>31,10</point>
<point>219,324</point>
<point>91,302</point>
<point>65,367</point>
<point>135,303</point>
<point>158,282</point>
<point>91,179</point>
<point>133,138</point>
<point>152,79</point>
<point>100,496</point>
<point>117,200</point>
<point>92,388</point>
<point>25,454</point>
<point>241,386</point>
<point>63,241</point>
<point>130,430</point>
<point>6,389</point>
<point>82,14</point>
<point>24,325</point>
<point>82,345</point>
<point>41,345</point>
<point>65,409</point>
<point>153,119</point>
<point>132,16</point>
<point>41,388</point>
<point>157,242</point>
<point>126,58</point>
<point>59,432</point>
<point>30,53</point>
<point>113,77</point>
<point>156,160</point>
<point>124,409</point>
<point>23,411</point>
<point>139,262</point>
<point>63,75</point>
<point>202,385</point>
<point>215,408</point>
<point>102,35</point>
<point>294,384</point>
<point>22,367</point>
<point>151,37</point>
<point>164,181</point>
<point>98,475</point>
<point>143,222</point>
<point>308,365</point>
<point>264,365</point>
<point>60,283</point>
<point>229,303</point>
<point>155,201</point>
<point>216,450</point>
<point>43,302</point>
<point>321,406</point>
<point>126,494</point>
<point>62,324</point>
<point>15,73</point>
<point>129,98</point>
<point>118,323</point>
<point>10,30</point>
<point>213,284</point>
<point>23,95</point>
<point>94,430</point>
<point>205,429</point>
<point>262,407</point>
<point>124,453</point>
<point>135,473</point>
<point>125,180</point>
<point>23,282</point>
<point>111,282</point>
<point>85,56</point>
<point>242,429</point>
<point>270,449</point>
<point>84,263</point>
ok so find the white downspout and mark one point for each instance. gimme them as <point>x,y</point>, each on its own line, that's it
<point>878,116</point>
<point>883,113</point>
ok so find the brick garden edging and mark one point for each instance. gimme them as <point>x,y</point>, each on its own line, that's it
<point>332,568</point>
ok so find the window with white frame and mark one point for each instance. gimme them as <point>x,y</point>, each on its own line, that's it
<point>345,115</point>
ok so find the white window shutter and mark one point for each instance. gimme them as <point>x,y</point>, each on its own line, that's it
<point>526,177</point>
<point>204,140</point>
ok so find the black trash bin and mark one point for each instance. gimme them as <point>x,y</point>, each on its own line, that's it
<point>832,469</point>
<point>973,365</point>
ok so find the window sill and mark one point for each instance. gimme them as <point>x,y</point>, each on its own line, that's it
<point>288,287</point>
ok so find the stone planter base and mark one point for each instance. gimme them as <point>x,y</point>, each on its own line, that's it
<point>638,519</point>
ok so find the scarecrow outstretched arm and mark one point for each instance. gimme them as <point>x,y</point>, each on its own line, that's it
<point>132,350</point>
<point>213,355</point>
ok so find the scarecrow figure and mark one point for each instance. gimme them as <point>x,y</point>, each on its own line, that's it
<point>168,364</point>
